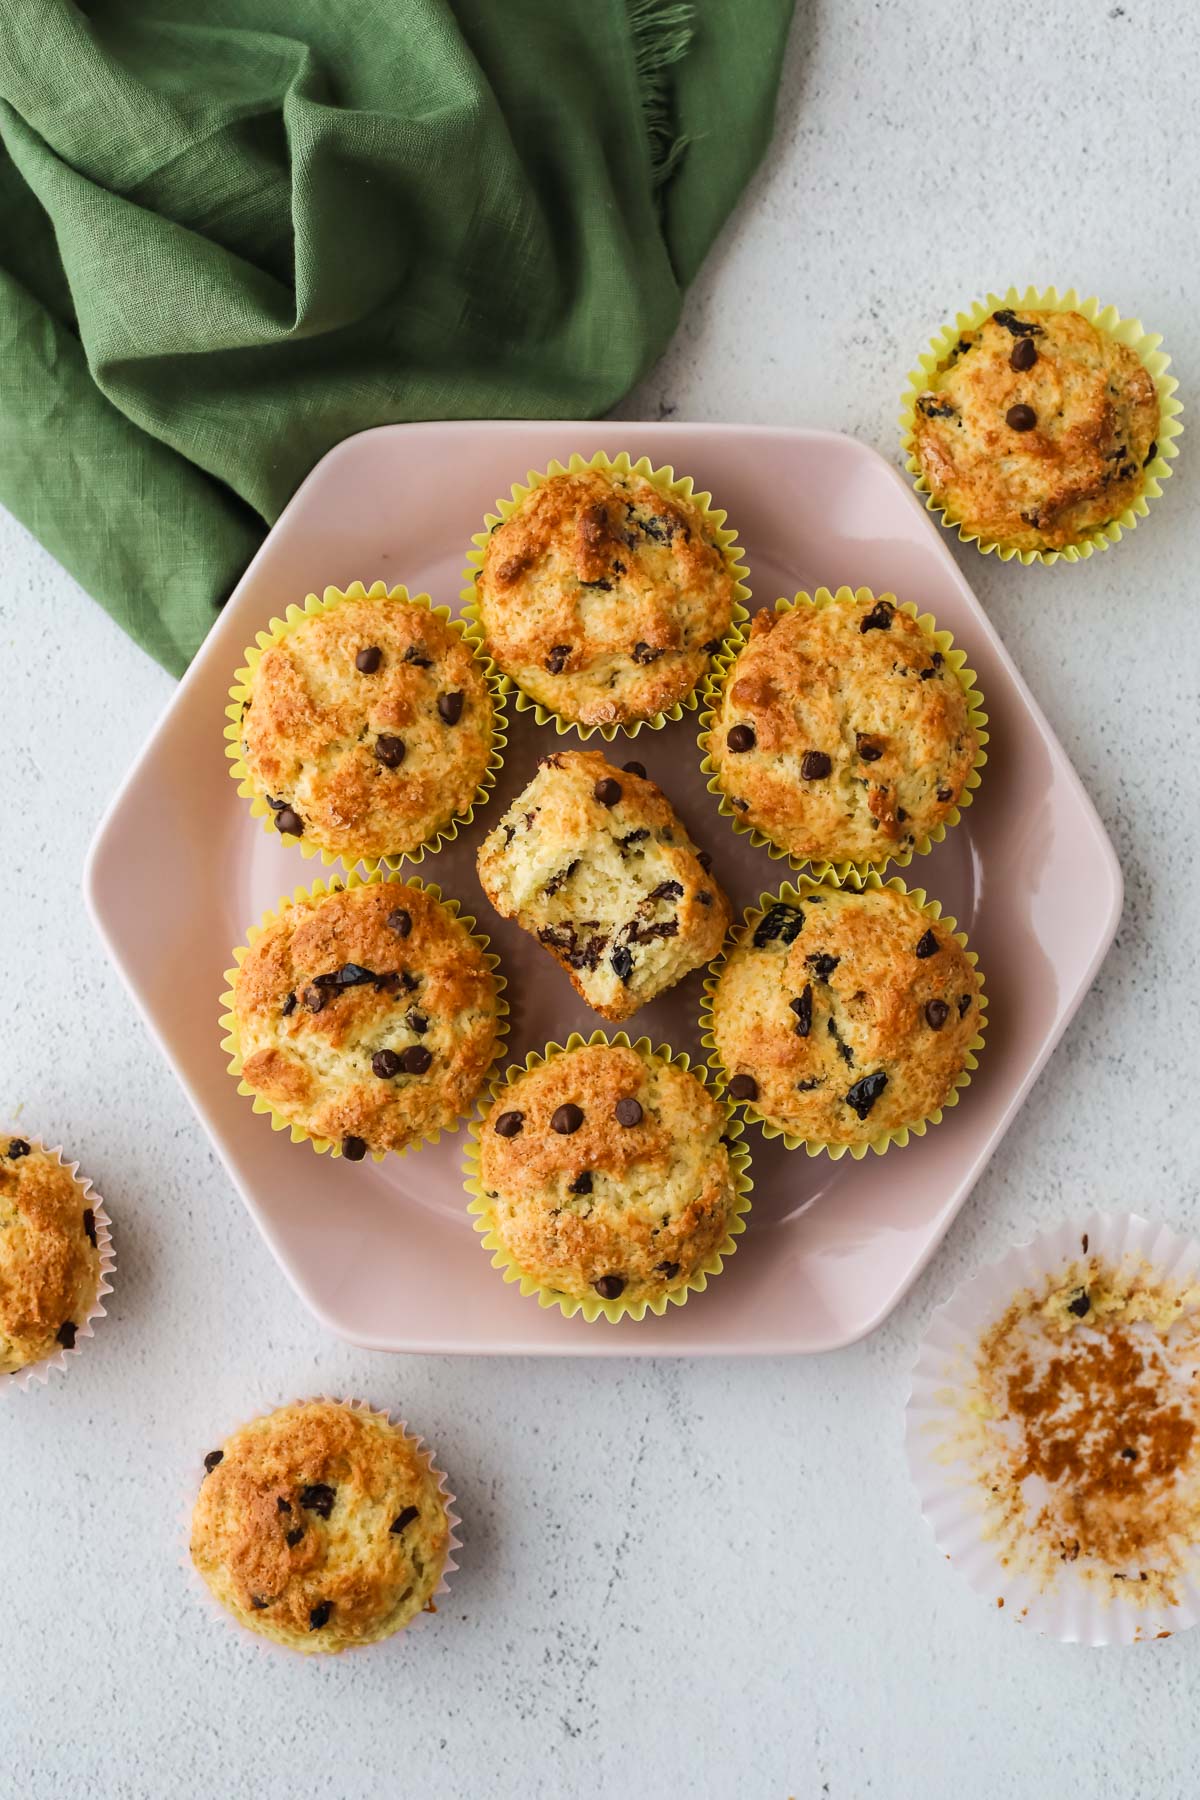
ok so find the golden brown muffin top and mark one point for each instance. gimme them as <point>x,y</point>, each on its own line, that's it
<point>49,1257</point>
<point>1036,429</point>
<point>608,1173</point>
<point>369,1017</point>
<point>604,598</point>
<point>845,1015</point>
<point>320,1525</point>
<point>843,733</point>
<point>368,727</point>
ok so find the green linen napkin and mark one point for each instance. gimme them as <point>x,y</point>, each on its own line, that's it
<point>233,233</point>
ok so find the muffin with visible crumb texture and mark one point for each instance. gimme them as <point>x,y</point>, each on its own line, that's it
<point>50,1270</point>
<point>603,596</point>
<point>368,726</point>
<point>1036,429</point>
<point>843,733</point>
<point>367,1016</point>
<point>595,864</point>
<point>608,1172</point>
<point>321,1526</point>
<point>842,1016</point>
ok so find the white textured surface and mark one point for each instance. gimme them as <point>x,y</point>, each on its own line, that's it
<point>704,1579</point>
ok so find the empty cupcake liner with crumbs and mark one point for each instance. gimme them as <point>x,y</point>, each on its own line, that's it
<point>39,1372</point>
<point>594,1307</point>
<point>1130,332</point>
<point>952,659</point>
<point>669,485</point>
<point>1053,1431</point>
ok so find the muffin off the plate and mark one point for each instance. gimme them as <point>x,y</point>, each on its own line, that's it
<point>1037,429</point>
<point>603,597</point>
<point>595,864</point>
<point>321,1526</point>
<point>606,1173</point>
<point>366,1017</point>
<point>50,1270</point>
<point>841,1016</point>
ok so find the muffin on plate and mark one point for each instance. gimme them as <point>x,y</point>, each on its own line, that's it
<point>322,1526</point>
<point>594,863</point>
<point>364,726</point>
<point>603,591</point>
<point>365,1017</point>
<point>845,1018</point>
<point>1036,429</point>
<point>845,731</point>
<point>609,1174</point>
<point>50,1255</point>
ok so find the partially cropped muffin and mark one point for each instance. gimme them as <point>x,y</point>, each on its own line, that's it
<point>321,1526</point>
<point>1036,429</point>
<point>844,1016</point>
<point>843,733</point>
<point>49,1256</point>
<point>608,1172</point>
<point>604,597</point>
<point>595,864</point>
<point>368,727</point>
<point>368,1016</point>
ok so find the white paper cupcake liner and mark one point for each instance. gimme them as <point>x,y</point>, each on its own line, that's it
<point>40,1371</point>
<point>1074,1601</point>
<point>212,1606</point>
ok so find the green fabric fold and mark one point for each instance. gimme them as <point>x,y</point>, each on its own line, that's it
<point>232,235</point>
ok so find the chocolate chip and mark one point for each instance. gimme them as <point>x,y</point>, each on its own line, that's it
<point>509,1124</point>
<point>667,890</point>
<point>928,946</point>
<point>416,1059</point>
<point>933,408</point>
<point>1020,418</point>
<point>644,653</point>
<point>416,1021</point>
<point>293,1536</point>
<point>743,1087</point>
<point>89,1226</point>
<point>621,962</point>
<point>803,1011</point>
<point>945,795</point>
<point>567,1120</point>
<point>865,1092</point>
<point>212,1459</point>
<point>704,858</point>
<point>1081,1305</point>
<point>1017,327</point>
<point>556,661</point>
<point>668,1270</point>
<point>809,1083</point>
<point>320,1615</point>
<point>844,1050</point>
<point>782,921</point>
<point>318,1499</point>
<point>822,964</point>
<point>936,1011</point>
<point>879,618</point>
<point>740,738</point>
<point>582,1183</point>
<point>901,814</point>
<point>450,707</point>
<point>628,1112</point>
<point>929,673</point>
<point>368,659</point>
<point>414,655</point>
<point>742,805</point>
<point>353,1148</point>
<point>403,1520</point>
<point>17,1148</point>
<point>964,1005</point>
<point>607,791</point>
<point>634,768</point>
<point>711,647</point>
<point>703,898</point>
<point>868,747</point>
<point>1151,453</point>
<point>633,837</point>
<point>282,1505</point>
<point>385,1064</point>
<point>289,823</point>
<point>1024,355</point>
<point>610,1287</point>
<point>815,765</point>
<point>1130,1455</point>
<point>259,1604</point>
<point>289,1006</point>
<point>390,751</point>
<point>400,922</point>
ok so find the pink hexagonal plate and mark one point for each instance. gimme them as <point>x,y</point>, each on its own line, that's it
<point>385,1254</point>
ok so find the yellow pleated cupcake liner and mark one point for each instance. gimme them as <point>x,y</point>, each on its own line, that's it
<point>240,693</point>
<point>1130,332</point>
<point>846,873</point>
<point>672,487</point>
<point>900,1134</point>
<point>311,897</point>
<point>594,1307</point>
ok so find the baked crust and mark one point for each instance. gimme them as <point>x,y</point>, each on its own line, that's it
<point>49,1260</point>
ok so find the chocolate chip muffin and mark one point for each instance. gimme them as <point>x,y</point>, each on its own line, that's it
<point>365,1017</point>
<point>50,1261</point>
<point>366,727</point>
<point>609,1175</point>
<point>845,730</point>
<point>595,864</point>
<point>1036,429</point>
<point>841,1017</point>
<point>322,1526</point>
<point>604,592</point>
